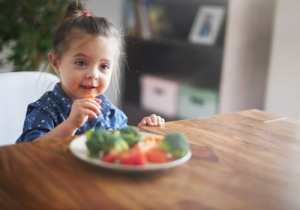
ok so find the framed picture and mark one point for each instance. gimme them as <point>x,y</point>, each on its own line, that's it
<point>206,25</point>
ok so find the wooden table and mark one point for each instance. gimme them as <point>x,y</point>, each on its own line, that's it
<point>241,160</point>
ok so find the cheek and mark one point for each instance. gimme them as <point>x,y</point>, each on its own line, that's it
<point>69,78</point>
<point>108,79</point>
<point>105,81</point>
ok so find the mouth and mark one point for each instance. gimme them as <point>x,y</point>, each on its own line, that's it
<point>87,86</point>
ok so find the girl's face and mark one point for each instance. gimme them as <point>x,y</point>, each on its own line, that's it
<point>87,66</point>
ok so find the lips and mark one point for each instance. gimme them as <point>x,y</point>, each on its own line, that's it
<point>87,86</point>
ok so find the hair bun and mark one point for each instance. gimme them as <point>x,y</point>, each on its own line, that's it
<point>75,9</point>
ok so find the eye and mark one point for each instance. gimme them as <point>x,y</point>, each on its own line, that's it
<point>81,63</point>
<point>105,67</point>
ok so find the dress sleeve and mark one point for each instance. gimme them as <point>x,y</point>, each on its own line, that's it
<point>37,123</point>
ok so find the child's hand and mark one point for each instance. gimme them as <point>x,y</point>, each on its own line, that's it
<point>82,109</point>
<point>153,120</point>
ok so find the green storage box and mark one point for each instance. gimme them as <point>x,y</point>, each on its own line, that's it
<point>196,102</point>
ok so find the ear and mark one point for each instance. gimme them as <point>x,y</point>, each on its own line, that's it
<point>53,62</point>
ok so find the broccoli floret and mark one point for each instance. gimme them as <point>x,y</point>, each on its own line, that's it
<point>115,143</point>
<point>175,143</point>
<point>88,134</point>
<point>95,140</point>
<point>130,140</point>
<point>131,130</point>
<point>101,140</point>
<point>115,133</point>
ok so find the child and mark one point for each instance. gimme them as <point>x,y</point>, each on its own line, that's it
<point>86,51</point>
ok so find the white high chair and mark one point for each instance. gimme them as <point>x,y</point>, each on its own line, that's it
<point>17,90</point>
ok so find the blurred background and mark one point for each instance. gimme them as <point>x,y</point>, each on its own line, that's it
<point>185,58</point>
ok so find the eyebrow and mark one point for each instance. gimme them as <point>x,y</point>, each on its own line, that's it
<point>81,54</point>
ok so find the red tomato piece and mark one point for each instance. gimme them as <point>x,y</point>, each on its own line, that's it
<point>133,156</point>
<point>110,157</point>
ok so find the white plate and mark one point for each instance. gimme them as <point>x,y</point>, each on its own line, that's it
<point>79,149</point>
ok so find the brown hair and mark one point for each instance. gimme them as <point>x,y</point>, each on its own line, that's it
<point>75,18</point>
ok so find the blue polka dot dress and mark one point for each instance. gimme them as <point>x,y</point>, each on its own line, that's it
<point>54,107</point>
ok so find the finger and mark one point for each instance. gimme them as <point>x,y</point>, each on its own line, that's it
<point>97,100</point>
<point>153,119</point>
<point>91,100</point>
<point>142,123</point>
<point>149,121</point>
<point>94,107</point>
<point>158,118</point>
<point>90,113</point>
<point>162,121</point>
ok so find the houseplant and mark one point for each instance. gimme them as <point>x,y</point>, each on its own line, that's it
<point>30,26</point>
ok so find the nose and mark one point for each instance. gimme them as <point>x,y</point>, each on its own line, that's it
<point>93,73</point>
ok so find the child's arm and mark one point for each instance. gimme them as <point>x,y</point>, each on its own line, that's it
<point>62,130</point>
<point>80,111</point>
<point>153,120</point>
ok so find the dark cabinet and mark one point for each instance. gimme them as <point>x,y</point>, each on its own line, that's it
<point>172,56</point>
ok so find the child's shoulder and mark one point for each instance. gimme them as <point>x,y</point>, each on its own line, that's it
<point>45,99</point>
<point>45,102</point>
<point>46,106</point>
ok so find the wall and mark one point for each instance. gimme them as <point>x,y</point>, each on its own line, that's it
<point>246,54</point>
<point>283,87</point>
<point>8,66</point>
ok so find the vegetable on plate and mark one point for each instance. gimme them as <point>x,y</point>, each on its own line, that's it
<point>175,143</point>
<point>127,147</point>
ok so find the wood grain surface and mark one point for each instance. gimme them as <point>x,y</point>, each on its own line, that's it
<point>238,162</point>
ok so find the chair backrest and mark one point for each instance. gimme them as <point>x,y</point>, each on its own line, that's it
<point>17,90</point>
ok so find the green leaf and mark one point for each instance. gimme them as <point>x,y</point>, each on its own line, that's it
<point>31,25</point>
